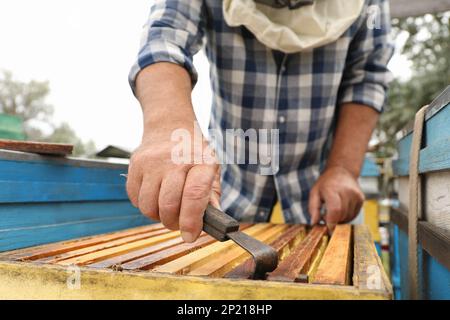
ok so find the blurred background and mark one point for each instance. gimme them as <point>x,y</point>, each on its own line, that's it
<point>64,67</point>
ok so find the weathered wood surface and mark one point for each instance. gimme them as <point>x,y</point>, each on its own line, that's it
<point>102,246</point>
<point>47,250</point>
<point>185,264</point>
<point>335,264</point>
<point>296,266</point>
<point>232,258</point>
<point>283,244</point>
<point>368,272</point>
<point>121,249</point>
<point>58,149</point>
<point>155,253</point>
<point>30,281</point>
<point>165,256</point>
<point>154,259</point>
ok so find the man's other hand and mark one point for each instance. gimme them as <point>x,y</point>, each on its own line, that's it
<point>339,191</point>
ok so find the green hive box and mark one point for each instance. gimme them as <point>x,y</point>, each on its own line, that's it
<point>11,127</point>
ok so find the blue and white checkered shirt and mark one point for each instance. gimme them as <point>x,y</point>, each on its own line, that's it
<point>256,87</point>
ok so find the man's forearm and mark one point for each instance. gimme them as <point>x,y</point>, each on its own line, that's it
<point>354,128</point>
<point>162,187</point>
<point>164,92</point>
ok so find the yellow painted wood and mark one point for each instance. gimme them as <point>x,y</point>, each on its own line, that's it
<point>334,268</point>
<point>102,246</point>
<point>368,271</point>
<point>232,258</point>
<point>30,281</point>
<point>185,264</point>
<point>111,252</point>
<point>277,214</point>
<point>318,257</point>
<point>287,250</point>
<point>44,250</point>
<point>371,218</point>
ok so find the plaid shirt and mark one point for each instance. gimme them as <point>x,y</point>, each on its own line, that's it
<point>256,87</point>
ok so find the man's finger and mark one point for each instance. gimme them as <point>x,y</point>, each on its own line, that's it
<point>169,202</point>
<point>148,196</point>
<point>314,206</point>
<point>216,190</point>
<point>196,195</point>
<point>334,205</point>
<point>133,185</point>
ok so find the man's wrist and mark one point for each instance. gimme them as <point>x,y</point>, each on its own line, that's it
<point>354,172</point>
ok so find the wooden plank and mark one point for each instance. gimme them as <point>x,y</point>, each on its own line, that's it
<point>58,149</point>
<point>317,258</point>
<point>43,191</point>
<point>31,158</point>
<point>146,257</point>
<point>368,271</point>
<point>53,169</point>
<point>334,268</point>
<point>117,261</point>
<point>436,241</point>
<point>298,262</point>
<point>102,246</point>
<point>185,264</point>
<point>283,244</point>
<point>29,281</point>
<point>232,258</point>
<point>433,239</point>
<point>111,252</point>
<point>53,249</point>
<point>11,239</point>
<point>30,215</point>
<point>167,255</point>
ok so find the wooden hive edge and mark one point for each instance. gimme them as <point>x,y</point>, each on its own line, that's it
<point>22,280</point>
<point>386,289</point>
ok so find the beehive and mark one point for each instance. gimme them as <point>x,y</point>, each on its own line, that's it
<point>151,262</point>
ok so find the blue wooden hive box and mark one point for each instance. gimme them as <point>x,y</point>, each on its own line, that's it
<point>48,199</point>
<point>434,228</point>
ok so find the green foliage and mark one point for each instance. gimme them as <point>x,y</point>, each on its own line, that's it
<point>25,99</point>
<point>65,134</point>
<point>28,101</point>
<point>428,48</point>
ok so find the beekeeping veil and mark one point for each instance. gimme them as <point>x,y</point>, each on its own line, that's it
<point>293,25</point>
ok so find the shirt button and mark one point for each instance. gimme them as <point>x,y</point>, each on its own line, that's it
<point>261,213</point>
<point>281,119</point>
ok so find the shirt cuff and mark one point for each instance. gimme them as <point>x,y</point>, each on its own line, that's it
<point>369,94</point>
<point>162,51</point>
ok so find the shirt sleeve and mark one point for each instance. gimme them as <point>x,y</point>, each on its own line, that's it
<point>366,75</point>
<point>173,33</point>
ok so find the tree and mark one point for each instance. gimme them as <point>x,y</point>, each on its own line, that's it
<point>427,47</point>
<point>65,134</point>
<point>28,101</point>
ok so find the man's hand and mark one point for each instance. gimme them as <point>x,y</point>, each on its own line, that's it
<point>175,194</point>
<point>338,190</point>
<point>338,186</point>
<point>163,188</point>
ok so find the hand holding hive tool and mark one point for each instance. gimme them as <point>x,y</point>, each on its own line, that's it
<point>223,227</point>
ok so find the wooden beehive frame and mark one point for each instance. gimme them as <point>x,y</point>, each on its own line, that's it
<point>43,272</point>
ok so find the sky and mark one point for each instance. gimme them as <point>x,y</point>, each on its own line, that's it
<point>85,49</point>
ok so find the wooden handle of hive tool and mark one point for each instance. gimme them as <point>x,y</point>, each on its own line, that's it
<point>217,223</point>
